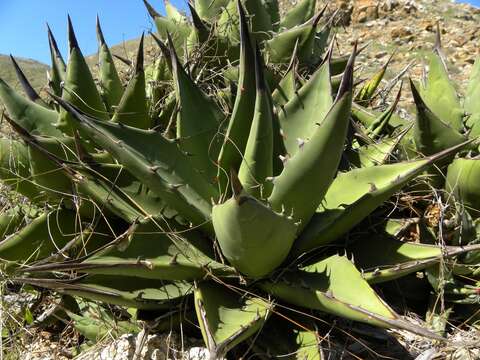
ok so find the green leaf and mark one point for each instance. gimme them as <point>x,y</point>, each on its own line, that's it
<point>296,338</point>
<point>261,22</point>
<point>15,169</point>
<point>368,188</point>
<point>133,292</point>
<point>110,84</point>
<point>178,29</point>
<point>59,69</point>
<point>27,114</point>
<point>300,117</point>
<point>44,235</point>
<point>12,219</point>
<point>471,103</point>
<point>197,136</point>
<point>374,154</point>
<point>273,10</point>
<point>132,110</point>
<point>280,47</point>
<point>226,317</point>
<point>462,181</point>
<point>254,238</point>
<point>173,257</point>
<point>239,125</point>
<point>210,10</point>
<point>431,133</point>
<point>79,88</point>
<point>440,95</point>
<point>383,258</point>
<point>257,164</point>
<point>307,175</point>
<point>28,316</point>
<point>368,118</point>
<point>157,162</point>
<point>303,11</point>
<point>96,322</point>
<point>364,96</point>
<point>335,286</point>
<point>173,13</point>
<point>287,86</point>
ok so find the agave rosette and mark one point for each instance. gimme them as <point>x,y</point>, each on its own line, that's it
<point>152,199</point>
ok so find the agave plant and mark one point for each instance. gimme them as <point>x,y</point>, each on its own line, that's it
<point>198,206</point>
<point>443,119</point>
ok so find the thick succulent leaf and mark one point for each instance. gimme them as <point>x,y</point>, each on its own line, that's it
<point>15,169</point>
<point>301,13</point>
<point>273,10</point>
<point>157,162</point>
<point>27,114</point>
<point>364,96</point>
<point>210,10</point>
<point>367,188</point>
<point>28,89</point>
<point>178,30</point>
<point>151,250</point>
<point>431,133</point>
<point>226,317</point>
<point>173,13</point>
<point>294,339</point>
<point>300,117</point>
<point>95,323</point>
<point>335,286</point>
<point>110,84</point>
<point>46,234</point>
<point>306,177</point>
<point>374,154</point>
<point>201,33</point>
<point>119,290</point>
<point>155,75</point>
<point>257,164</point>
<point>47,174</point>
<point>132,109</point>
<point>109,187</point>
<point>56,168</point>
<point>287,87</point>
<point>281,46</point>
<point>369,118</point>
<point>383,258</point>
<point>380,125</point>
<point>471,103</point>
<point>229,22</point>
<point>261,22</point>
<point>242,114</point>
<point>254,238</point>
<point>440,96</point>
<point>462,181</point>
<point>13,219</point>
<point>59,69</point>
<point>79,88</point>
<point>198,121</point>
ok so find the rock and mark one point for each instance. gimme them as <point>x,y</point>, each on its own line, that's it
<point>401,32</point>
<point>365,10</point>
<point>156,347</point>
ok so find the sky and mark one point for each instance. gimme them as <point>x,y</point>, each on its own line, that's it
<point>23,31</point>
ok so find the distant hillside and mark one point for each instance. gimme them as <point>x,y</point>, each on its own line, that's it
<point>127,50</point>
<point>34,70</point>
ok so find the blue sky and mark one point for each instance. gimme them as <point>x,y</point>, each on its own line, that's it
<point>473,2</point>
<point>23,31</point>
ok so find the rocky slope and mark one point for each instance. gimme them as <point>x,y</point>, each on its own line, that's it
<point>34,70</point>
<point>407,28</point>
